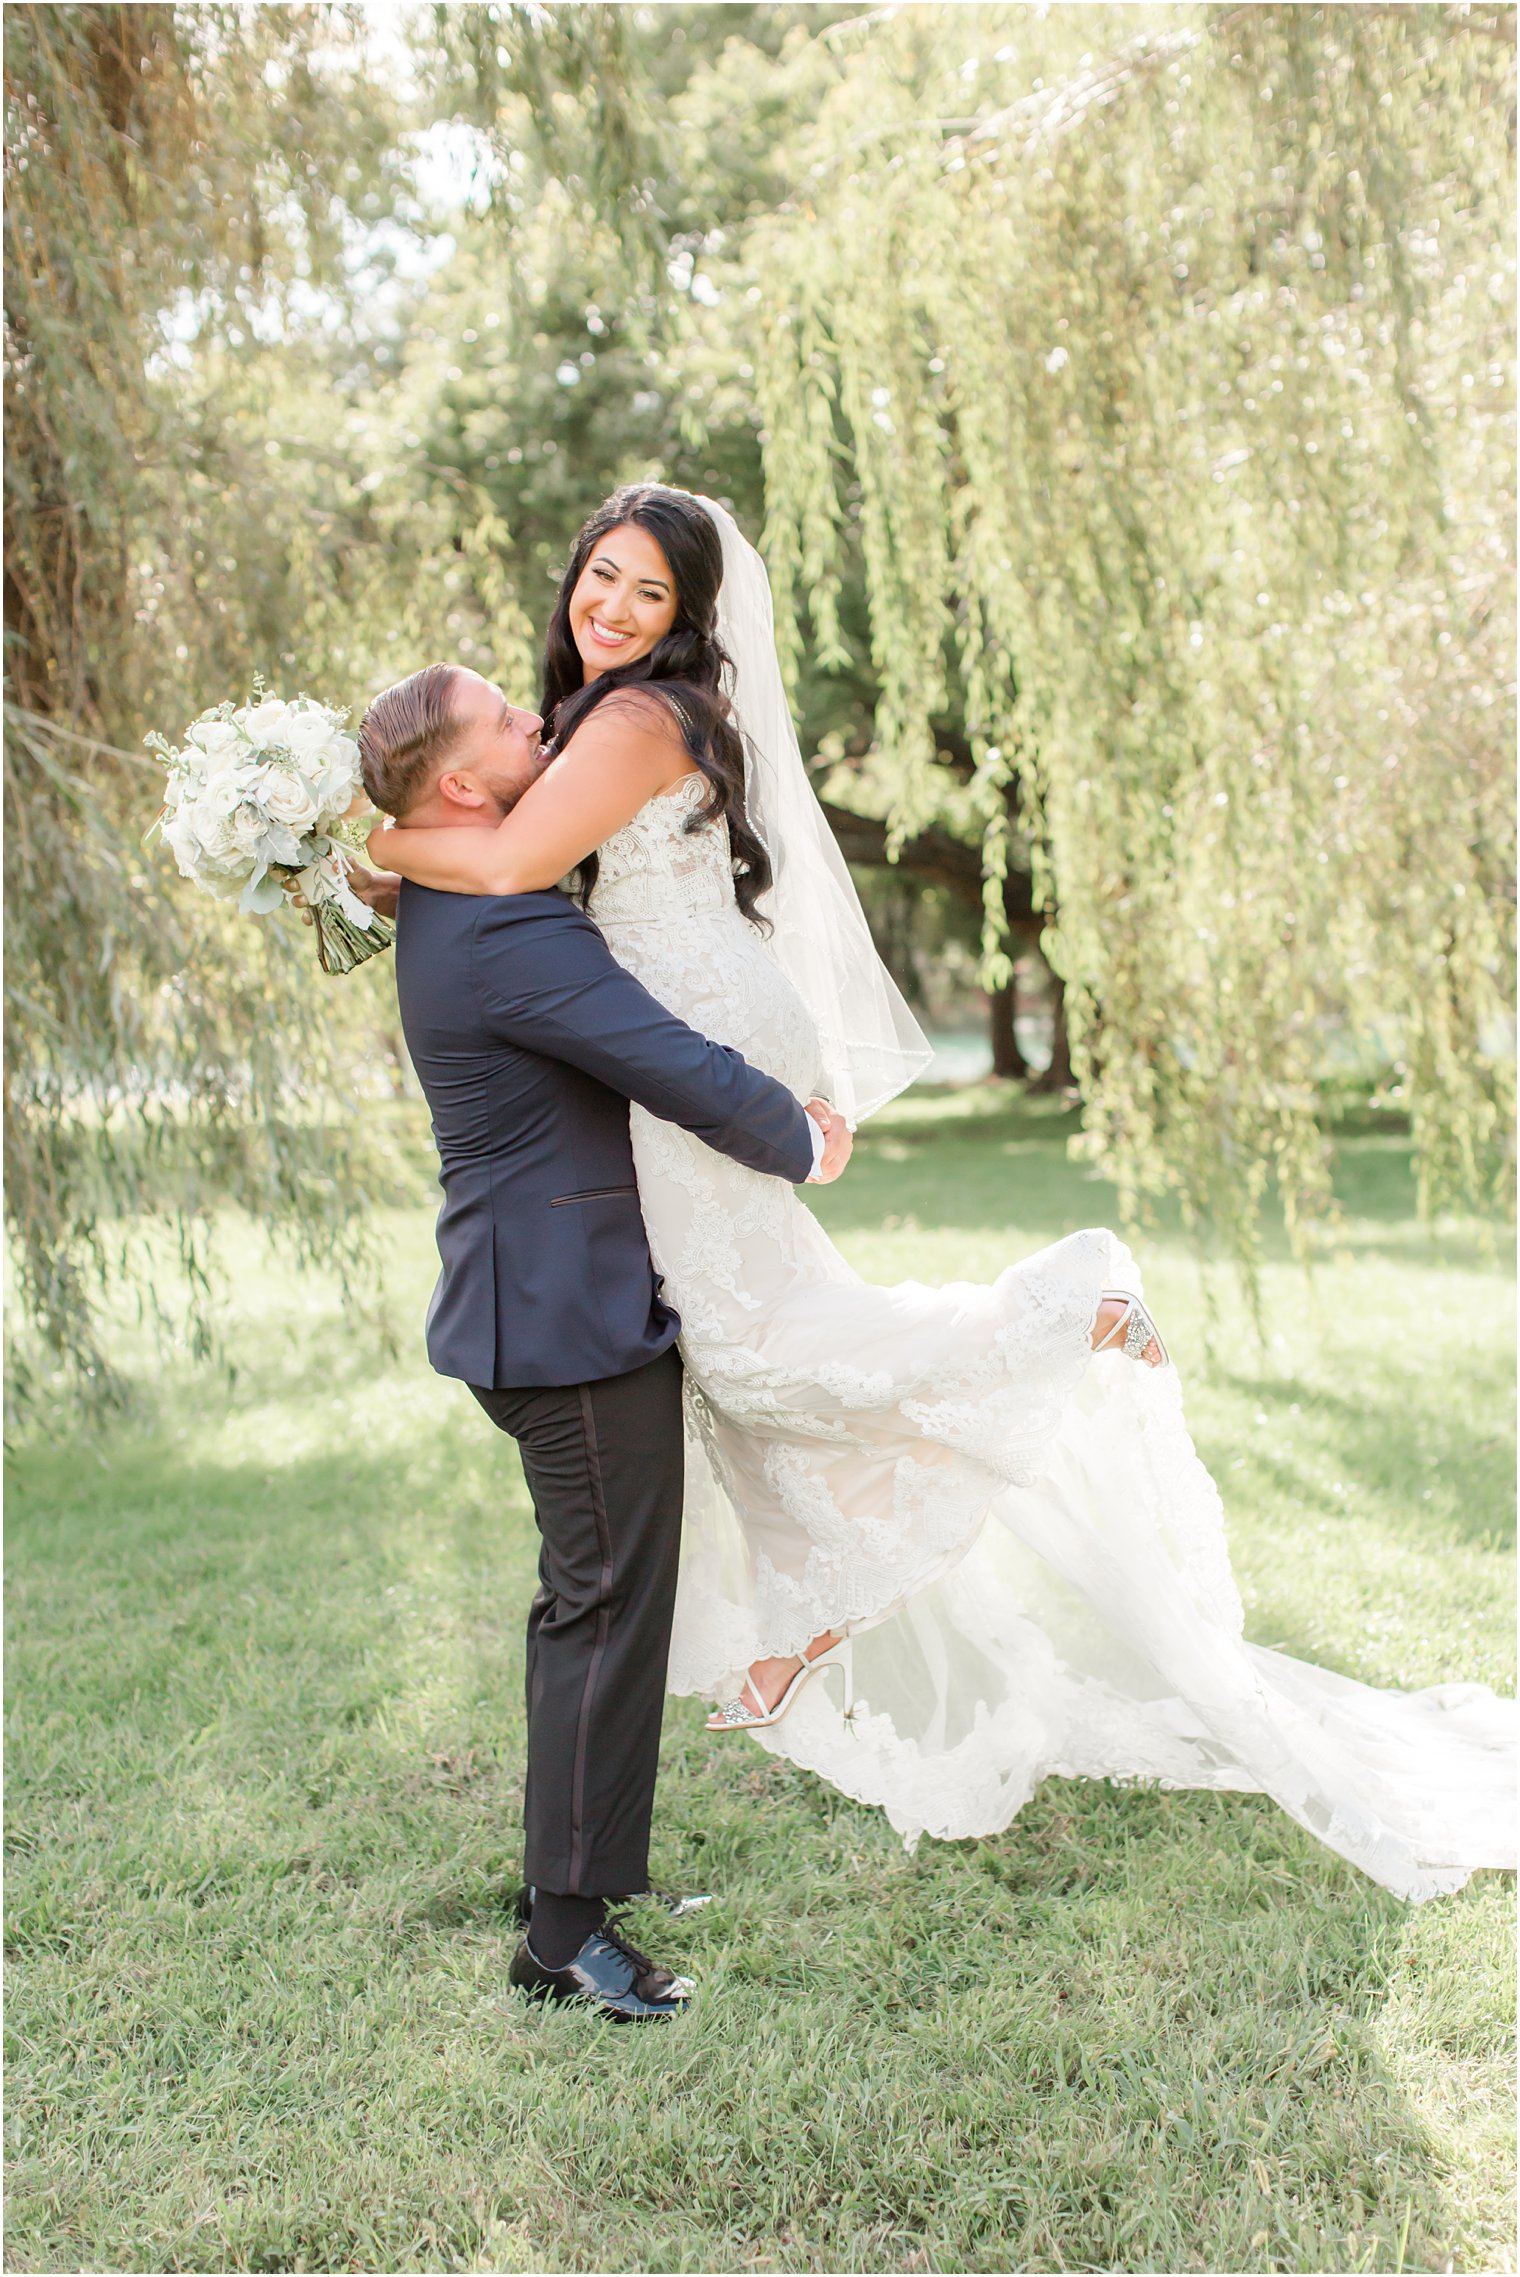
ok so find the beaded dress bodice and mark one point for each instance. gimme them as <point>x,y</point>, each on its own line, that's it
<point>659,868</point>
<point>664,897</point>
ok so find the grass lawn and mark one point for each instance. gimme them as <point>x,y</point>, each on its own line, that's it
<point>264,1776</point>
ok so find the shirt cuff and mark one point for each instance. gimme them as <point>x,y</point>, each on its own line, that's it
<point>818,1143</point>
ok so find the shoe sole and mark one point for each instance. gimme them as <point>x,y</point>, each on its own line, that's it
<point>544,1998</point>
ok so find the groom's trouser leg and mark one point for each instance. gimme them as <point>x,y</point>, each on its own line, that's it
<point>605,1466</point>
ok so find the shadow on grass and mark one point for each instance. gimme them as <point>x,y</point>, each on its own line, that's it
<point>1387,1442</point>
<point>992,1158</point>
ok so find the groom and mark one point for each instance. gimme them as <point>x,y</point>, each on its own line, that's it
<point>529,1040</point>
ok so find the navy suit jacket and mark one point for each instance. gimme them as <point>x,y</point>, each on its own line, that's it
<point>529,1040</point>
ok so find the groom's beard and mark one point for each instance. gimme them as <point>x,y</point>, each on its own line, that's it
<point>505,792</point>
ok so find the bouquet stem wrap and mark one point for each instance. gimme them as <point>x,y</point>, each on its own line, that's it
<point>347,929</point>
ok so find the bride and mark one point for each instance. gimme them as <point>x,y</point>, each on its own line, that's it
<point>979,1505</point>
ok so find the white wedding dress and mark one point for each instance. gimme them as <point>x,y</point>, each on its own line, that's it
<point>1026,1526</point>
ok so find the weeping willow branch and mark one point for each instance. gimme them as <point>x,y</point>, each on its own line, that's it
<point>151,1047</point>
<point>1167,408</point>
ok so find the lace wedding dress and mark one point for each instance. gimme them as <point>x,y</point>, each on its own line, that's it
<point>1026,1527</point>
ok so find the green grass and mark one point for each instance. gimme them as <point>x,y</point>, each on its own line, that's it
<point>265,1753</point>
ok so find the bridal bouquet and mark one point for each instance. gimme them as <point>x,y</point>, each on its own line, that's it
<point>257,795</point>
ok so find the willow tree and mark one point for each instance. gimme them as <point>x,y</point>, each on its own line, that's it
<point>170,176</point>
<point>217,417</point>
<point>1158,364</point>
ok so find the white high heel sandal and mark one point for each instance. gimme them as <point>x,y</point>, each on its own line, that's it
<point>1136,1323</point>
<point>737,1716</point>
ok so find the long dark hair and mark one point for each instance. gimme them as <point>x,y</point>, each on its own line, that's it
<point>685,666</point>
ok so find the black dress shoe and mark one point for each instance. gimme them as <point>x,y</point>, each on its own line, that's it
<point>607,1974</point>
<point>677,1907</point>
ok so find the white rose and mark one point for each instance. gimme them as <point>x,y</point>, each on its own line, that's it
<point>247,830</point>
<point>182,842</point>
<point>216,835</point>
<point>307,733</point>
<point>266,723</point>
<point>219,872</point>
<point>219,739</point>
<point>197,822</point>
<point>339,783</point>
<point>286,797</point>
<point>223,793</point>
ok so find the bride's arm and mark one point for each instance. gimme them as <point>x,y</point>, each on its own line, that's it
<point>627,751</point>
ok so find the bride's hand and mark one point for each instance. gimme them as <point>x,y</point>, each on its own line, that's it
<point>838,1141</point>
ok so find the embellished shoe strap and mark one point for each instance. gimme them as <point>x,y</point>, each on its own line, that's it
<point>737,1713</point>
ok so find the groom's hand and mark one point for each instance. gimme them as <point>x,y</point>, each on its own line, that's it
<point>837,1141</point>
<point>380,888</point>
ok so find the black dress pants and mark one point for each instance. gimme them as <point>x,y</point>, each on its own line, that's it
<point>605,1466</point>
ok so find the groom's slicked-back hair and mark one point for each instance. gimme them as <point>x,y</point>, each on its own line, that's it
<point>404,734</point>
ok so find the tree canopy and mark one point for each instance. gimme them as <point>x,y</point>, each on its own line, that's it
<point>176,181</point>
<point>1123,399</point>
<point>1158,365</point>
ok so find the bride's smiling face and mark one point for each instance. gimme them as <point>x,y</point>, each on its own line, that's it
<point>624,600</point>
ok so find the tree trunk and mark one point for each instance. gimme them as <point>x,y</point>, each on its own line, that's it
<point>1007,1058</point>
<point>1057,1077</point>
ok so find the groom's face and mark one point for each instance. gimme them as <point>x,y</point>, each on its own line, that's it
<point>498,755</point>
